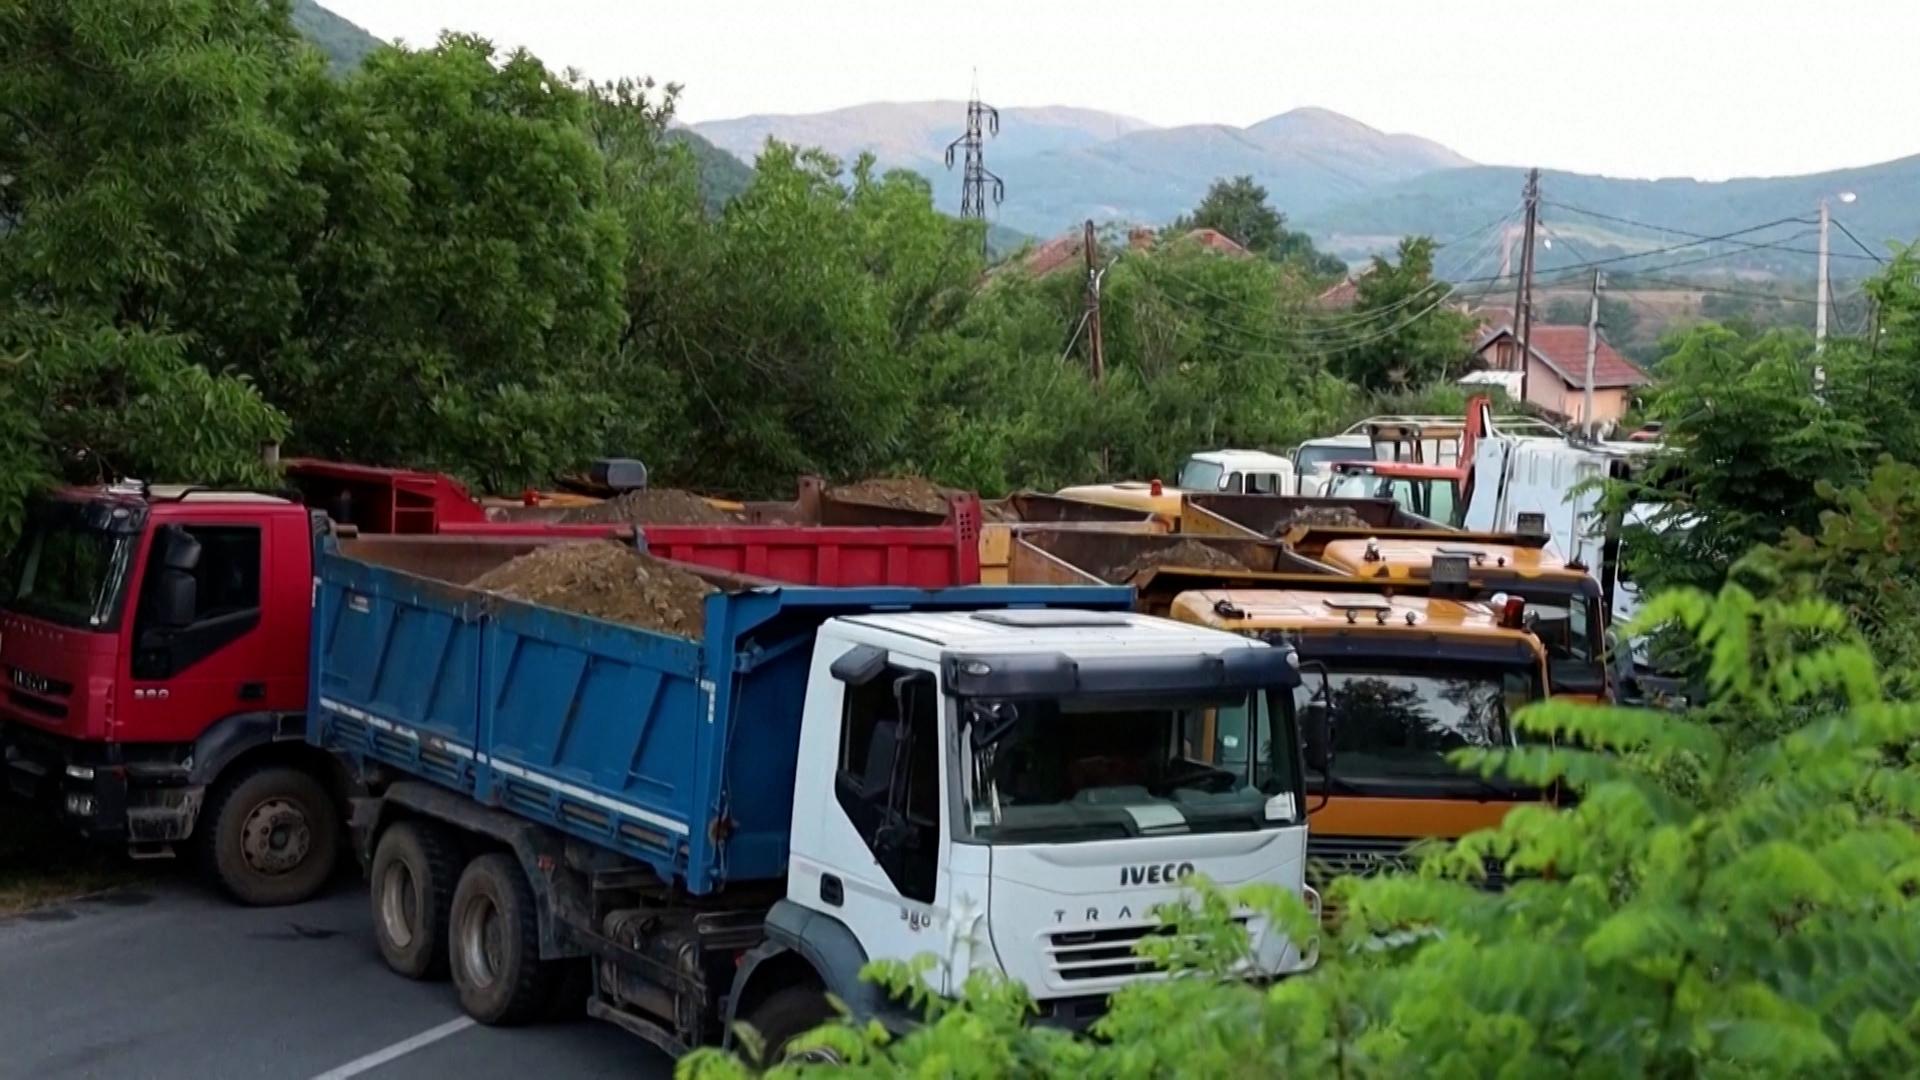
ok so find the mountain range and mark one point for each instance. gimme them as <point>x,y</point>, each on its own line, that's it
<point>1354,189</point>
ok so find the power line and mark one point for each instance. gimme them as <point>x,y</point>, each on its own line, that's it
<point>1752,244</point>
<point>1856,242</point>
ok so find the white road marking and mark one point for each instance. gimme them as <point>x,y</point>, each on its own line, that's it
<point>397,1050</point>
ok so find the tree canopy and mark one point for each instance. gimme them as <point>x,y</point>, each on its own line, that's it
<point>1238,209</point>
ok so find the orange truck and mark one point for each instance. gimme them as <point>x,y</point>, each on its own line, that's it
<point>1562,601</point>
<point>1393,681</point>
<point>1396,551</point>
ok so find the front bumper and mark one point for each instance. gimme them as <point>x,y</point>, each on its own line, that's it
<point>94,791</point>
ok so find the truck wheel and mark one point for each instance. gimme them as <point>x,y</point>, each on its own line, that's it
<point>494,941</point>
<point>415,870</point>
<point>270,836</point>
<point>785,1016</point>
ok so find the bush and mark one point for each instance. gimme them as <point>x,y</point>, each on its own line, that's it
<point>1732,893</point>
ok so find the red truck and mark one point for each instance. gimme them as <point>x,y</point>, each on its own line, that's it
<point>154,653</point>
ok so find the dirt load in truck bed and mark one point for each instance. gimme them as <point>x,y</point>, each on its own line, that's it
<point>1187,553</point>
<point>901,493</point>
<point>1320,517</point>
<point>654,506</point>
<point>607,581</point>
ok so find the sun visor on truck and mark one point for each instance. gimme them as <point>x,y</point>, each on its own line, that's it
<point>1038,675</point>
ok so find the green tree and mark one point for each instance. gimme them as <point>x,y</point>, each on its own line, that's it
<point>135,145</point>
<point>444,268</point>
<point>1401,330</point>
<point>1238,209</point>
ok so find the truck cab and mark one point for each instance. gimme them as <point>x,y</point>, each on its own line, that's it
<point>1561,602</point>
<point>154,646</point>
<point>1431,491</point>
<point>1237,472</point>
<point>1398,682</point>
<point>1056,775</point>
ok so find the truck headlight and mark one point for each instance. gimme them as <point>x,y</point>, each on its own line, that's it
<point>80,772</point>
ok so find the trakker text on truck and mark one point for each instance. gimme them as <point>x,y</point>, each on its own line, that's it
<point>729,827</point>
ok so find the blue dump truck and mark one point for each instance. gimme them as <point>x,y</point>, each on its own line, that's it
<point>689,833</point>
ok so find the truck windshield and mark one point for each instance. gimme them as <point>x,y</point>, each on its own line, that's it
<point>1395,722</point>
<point>67,568</point>
<point>1310,458</point>
<point>1070,770</point>
<point>1198,475</point>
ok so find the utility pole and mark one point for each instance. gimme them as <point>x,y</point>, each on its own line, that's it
<point>983,122</point>
<point>1523,293</point>
<point>1820,285</point>
<point>1088,244</point>
<point>1593,348</point>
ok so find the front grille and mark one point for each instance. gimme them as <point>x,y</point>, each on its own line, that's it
<point>1330,858</point>
<point>52,709</point>
<point>1106,952</point>
<point>44,685</point>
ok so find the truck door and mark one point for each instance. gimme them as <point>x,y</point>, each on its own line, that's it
<point>888,786</point>
<point>197,639</point>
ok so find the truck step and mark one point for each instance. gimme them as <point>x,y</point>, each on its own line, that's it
<point>150,852</point>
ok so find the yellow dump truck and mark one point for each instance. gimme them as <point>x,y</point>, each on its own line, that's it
<point>1562,600</point>
<point>1395,684</point>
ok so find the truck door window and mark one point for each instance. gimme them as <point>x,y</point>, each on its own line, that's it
<point>889,778</point>
<point>1233,484</point>
<point>192,606</point>
<point>1263,483</point>
<point>1394,727</point>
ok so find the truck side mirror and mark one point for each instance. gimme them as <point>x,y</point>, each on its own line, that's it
<point>1316,731</point>
<point>175,591</point>
<point>1316,722</point>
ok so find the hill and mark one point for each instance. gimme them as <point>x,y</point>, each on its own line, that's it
<point>1064,164</point>
<point>1307,159</point>
<point>1456,202</point>
<point>344,43</point>
<point>915,134</point>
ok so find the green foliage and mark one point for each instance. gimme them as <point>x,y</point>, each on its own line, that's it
<point>135,145</point>
<point>1756,453</point>
<point>1238,209</point>
<point>1405,333</point>
<point>1732,892</point>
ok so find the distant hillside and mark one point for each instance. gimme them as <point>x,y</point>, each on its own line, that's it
<point>1457,201</point>
<point>915,134</point>
<point>1306,159</point>
<point>344,43</point>
<point>1062,165</point>
<point>722,176</point>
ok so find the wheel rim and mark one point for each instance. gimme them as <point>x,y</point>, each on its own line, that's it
<point>399,904</point>
<point>275,837</point>
<point>482,940</point>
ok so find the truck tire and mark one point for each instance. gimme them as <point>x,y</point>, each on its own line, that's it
<point>786,1015</point>
<point>494,943</point>
<point>270,835</point>
<point>415,869</point>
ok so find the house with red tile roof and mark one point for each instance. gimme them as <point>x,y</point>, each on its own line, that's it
<point>1556,370</point>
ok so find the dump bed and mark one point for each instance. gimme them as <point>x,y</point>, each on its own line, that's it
<point>1268,517</point>
<point>817,503</point>
<point>675,752</point>
<point>1067,556</point>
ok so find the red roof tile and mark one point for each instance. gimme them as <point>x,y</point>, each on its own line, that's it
<point>1564,350</point>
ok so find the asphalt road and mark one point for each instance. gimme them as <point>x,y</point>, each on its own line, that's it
<point>166,980</point>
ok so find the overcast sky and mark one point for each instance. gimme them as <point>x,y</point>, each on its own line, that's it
<point>1706,88</point>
